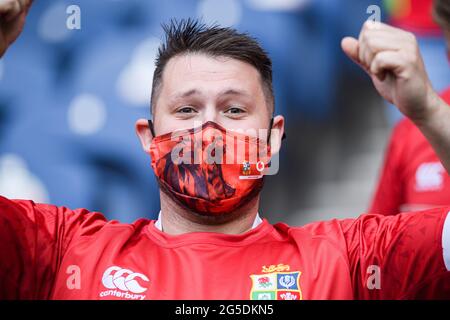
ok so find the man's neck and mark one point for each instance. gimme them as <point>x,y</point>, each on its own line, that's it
<point>178,220</point>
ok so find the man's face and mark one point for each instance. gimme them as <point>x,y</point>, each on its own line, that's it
<point>197,88</point>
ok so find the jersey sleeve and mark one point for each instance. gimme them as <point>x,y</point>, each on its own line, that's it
<point>33,240</point>
<point>388,195</point>
<point>406,256</point>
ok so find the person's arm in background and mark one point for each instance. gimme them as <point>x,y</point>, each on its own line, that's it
<point>388,196</point>
<point>12,20</point>
<point>392,59</point>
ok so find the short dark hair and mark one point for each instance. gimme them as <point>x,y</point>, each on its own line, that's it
<point>441,13</point>
<point>192,36</point>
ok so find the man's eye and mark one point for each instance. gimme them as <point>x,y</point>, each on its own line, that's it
<point>186,110</point>
<point>235,110</point>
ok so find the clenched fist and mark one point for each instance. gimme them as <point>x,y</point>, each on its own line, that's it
<point>392,59</point>
<point>12,19</point>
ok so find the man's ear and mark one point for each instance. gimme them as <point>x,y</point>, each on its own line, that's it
<point>144,134</point>
<point>276,134</point>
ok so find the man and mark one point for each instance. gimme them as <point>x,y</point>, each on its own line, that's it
<point>413,177</point>
<point>209,241</point>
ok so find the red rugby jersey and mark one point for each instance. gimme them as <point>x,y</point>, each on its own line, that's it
<point>412,177</point>
<point>52,252</point>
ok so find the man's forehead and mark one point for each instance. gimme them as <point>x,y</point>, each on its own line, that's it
<point>199,68</point>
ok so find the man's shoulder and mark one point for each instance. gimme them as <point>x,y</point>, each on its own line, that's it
<point>327,229</point>
<point>328,235</point>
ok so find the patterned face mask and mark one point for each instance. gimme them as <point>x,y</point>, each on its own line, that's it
<point>208,169</point>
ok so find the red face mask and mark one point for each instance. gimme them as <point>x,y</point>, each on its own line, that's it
<point>208,169</point>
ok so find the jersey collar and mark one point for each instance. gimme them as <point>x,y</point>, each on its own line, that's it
<point>158,223</point>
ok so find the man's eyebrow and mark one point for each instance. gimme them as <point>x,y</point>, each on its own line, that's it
<point>193,92</point>
<point>235,92</point>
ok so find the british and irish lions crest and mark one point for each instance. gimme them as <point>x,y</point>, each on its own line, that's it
<point>276,282</point>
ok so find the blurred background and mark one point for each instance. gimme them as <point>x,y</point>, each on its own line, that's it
<point>69,100</point>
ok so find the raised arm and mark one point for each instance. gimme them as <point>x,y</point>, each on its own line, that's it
<point>410,251</point>
<point>12,20</point>
<point>392,59</point>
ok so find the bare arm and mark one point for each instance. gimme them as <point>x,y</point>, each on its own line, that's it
<point>436,128</point>
<point>392,59</point>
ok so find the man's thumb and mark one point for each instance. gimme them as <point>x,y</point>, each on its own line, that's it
<point>350,47</point>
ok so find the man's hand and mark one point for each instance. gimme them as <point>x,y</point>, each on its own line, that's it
<point>392,59</point>
<point>12,20</point>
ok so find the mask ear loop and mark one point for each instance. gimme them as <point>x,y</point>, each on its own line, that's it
<point>150,126</point>
<point>270,132</point>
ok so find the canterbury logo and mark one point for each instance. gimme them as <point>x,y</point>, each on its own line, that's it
<point>123,279</point>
